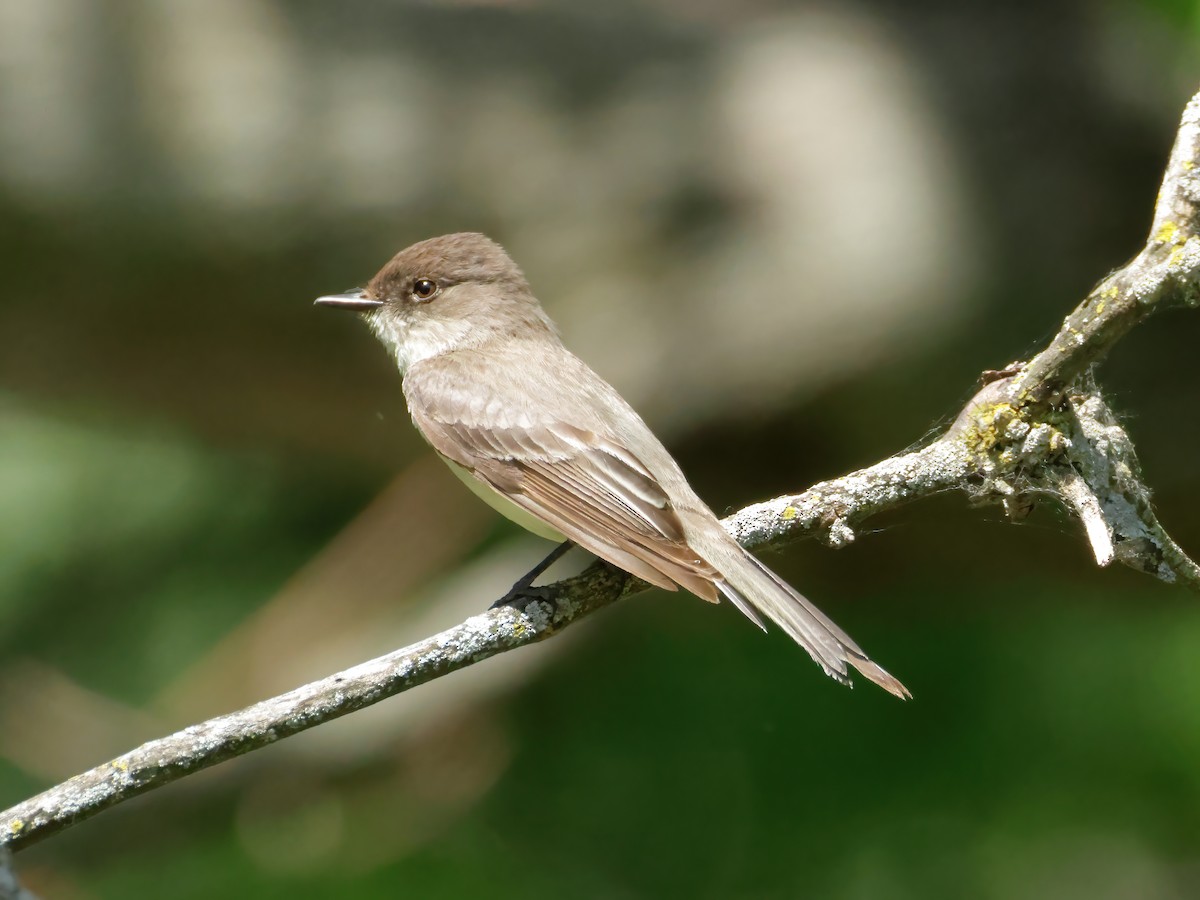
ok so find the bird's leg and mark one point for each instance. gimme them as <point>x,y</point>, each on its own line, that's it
<point>524,591</point>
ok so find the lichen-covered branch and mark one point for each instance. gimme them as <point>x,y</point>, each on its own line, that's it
<point>1037,430</point>
<point>1162,276</point>
<point>832,509</point>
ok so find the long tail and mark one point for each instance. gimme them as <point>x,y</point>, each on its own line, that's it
<point>753,588</point>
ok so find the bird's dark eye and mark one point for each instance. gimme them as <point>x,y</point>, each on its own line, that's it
<point>424,288</point>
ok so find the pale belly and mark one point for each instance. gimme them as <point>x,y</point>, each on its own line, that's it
<point>504,506</point>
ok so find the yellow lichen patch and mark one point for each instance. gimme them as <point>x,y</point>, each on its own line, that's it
<point>1188,165</point>
<point>120,765</point>
<point>1167,232</point>
<point>988,422</point>
<point>789,513</point>
<point>16,826</point>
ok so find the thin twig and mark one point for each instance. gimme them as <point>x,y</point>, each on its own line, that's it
<point>1162,276</point>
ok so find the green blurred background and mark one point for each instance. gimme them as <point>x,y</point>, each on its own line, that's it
<point>791,234</point>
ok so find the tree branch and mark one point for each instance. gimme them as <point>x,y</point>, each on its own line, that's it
<point>1161,276</point>
<point>1039,429</point>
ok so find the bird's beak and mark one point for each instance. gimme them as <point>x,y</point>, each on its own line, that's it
<point>355,301</point>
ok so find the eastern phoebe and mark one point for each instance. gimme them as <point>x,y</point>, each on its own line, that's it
<point>547,442</point>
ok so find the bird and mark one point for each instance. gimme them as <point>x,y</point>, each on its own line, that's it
<point>538,435</point>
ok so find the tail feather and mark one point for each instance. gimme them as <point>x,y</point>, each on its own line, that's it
<point>753,587</point>
<point>734,596</point>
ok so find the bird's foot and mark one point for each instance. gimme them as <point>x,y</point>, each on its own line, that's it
<point>521,594</point>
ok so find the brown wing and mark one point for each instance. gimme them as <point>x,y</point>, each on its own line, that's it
<point>588,487</point>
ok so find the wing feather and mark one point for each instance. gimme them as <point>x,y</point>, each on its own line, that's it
<point>589,488</point>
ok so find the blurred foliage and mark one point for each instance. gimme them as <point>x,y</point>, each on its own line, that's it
<point>791,234</point>
<point>1185,13</point>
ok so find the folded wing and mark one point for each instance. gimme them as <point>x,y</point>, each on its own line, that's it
<point>587,487</point>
